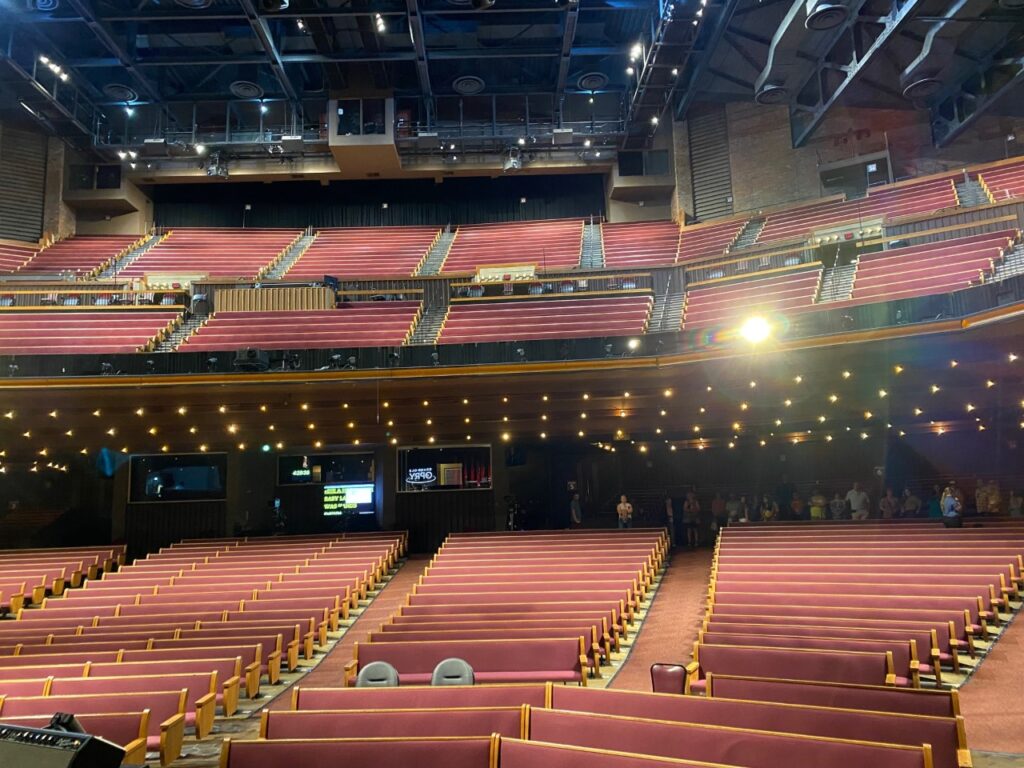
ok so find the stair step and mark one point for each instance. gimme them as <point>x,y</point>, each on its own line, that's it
<point>130,257</point>
<point>751,231</point>
<point>429,325</point>
<point>437,254</point>
<point>294,254</point>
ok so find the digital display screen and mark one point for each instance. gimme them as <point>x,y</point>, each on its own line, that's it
<point>177,477</point>
<point>326,469</point>
<point>454,468</point>
<point>348,499</point>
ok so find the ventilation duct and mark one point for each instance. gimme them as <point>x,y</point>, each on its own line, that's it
<point>805,33</point>
<point>926,74</point>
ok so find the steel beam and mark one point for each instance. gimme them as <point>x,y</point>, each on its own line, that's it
<point>805,118</point>
<point>262,31</point>
<point>723,17</point>
<point>419,46</point>
<point>974,97</point>
<point>84,9</point>
<point>572,16</point>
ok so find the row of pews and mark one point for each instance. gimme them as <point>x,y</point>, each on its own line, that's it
<point>159,648</point>
<point>527,607</point>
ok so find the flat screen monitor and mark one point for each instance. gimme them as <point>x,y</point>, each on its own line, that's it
<point>325,469</point>
<point>348,499</point>
<point>444,468</point>
<point>165,477</point>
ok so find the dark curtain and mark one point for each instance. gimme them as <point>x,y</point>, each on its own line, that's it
<point>361,203</point>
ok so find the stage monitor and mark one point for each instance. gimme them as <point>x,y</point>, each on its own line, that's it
<point>177,477</point>
<point>348,499</point>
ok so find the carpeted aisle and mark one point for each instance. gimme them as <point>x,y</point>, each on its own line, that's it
<point>670,628</point>
<point>329,672</point>
<point>991,701</point>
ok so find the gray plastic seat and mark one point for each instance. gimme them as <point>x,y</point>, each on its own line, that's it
<point>452,672</point>
<point>377,674</point>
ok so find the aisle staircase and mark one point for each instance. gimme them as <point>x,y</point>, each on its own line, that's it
<point>837,283</point>
<point>592,253</point>
<point>429,325</point>
<point>118,264</point>
<point>970,193</point>
<point>1011,265</point>
<point>751,231</point>
<point>182,332</point>
<point>294,253</point>
<point>667,312</point>
<point>437,254</point>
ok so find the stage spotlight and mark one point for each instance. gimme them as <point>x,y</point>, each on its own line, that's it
<point>211,364</point>
<point>633,345</point>
<point>394,357</point>
<point>755,329</point>
<point>521,354</point>
<point>12,369</point>
<point>435,358</point>
<point>350,364</point>
<point>335,362</point>
<point>608,350</point>
<point>106,369</point>
<point>150,365</point>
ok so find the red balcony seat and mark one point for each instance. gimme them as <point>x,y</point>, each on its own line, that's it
<point>73,332</point>
<point>526,319</point>
<point>81,254</point>
<point>1004,182</point>
<point>643,244</point>
<point>701,242</point>
<point>228,254</point>
<point>355,324</point>
<point>888,201</point>
<point>549,245</point>
<point>14,257</point>
<point>364,252</point>
<point>730,302</point>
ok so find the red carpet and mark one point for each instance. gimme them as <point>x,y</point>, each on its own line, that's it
<point>991,701</point>
<point>329,673</point>
<point>670,628</point>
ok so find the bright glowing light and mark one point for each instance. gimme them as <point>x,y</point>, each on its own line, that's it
<point>200,149</point>
<point>633,343</point>
<point>755,329</point>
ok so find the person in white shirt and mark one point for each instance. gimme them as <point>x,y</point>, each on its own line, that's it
<point>860,504</point>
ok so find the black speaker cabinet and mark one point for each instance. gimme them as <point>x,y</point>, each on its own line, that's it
<point>22,747</point>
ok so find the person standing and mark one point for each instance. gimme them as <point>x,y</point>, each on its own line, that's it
<point>952,508</point>
<point>719,514</point>
<point>911,504</point>
<point>768,509</point>
<point>889,505</point>
<point>670,520</point>
<point>691,519</point>
<point>797,506</point>
<point>860,504</point>
<point>625,512</point>
<point>575,512</point>
<point>837,507</point>
<point>935,503</point>
<point>1016,508</point>
<point>818,503</point>
<point>732,509</point>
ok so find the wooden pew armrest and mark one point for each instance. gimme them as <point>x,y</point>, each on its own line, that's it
<point>172,736</point>
<point>963,758</point>
<point>350,673</point>
<point>135,752</point>
<point>274,666</point>
<point>307,645</point>
<point>252,675</point>
<point>890,679</point>
<point>321,634</point>
<point>292,655</point>
<point>206,708</point>
<point>231,693</point>
<point>583,671</point>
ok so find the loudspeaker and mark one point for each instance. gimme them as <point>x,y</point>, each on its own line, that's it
<point>251,360</point>
<point>22,747</point>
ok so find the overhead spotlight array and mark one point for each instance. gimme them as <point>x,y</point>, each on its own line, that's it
<point>54,67</point>
<point>378,21</point>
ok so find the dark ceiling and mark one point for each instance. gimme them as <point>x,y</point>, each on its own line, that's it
<point>625,62</point>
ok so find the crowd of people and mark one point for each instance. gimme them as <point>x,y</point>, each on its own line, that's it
<point>689,519</point>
